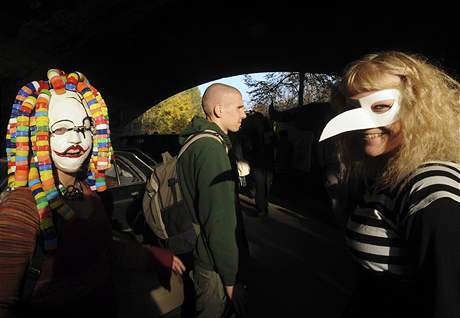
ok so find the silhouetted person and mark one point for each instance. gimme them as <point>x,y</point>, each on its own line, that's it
<point>258,150</point>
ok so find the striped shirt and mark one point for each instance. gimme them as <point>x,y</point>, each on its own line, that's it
<point>377,231</point>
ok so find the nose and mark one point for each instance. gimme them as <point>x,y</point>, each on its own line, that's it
<point>73,137</point>
<point>243,114</point>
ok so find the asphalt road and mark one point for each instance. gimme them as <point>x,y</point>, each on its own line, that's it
<point>299,263</point>
<point>299,266</point>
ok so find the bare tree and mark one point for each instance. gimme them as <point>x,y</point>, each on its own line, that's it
<point>285,89</point>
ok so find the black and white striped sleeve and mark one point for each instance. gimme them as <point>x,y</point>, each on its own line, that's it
<point>432,231</point>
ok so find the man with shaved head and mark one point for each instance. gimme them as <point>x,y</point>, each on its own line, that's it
<point>223,105</point>
<point>208,182</point>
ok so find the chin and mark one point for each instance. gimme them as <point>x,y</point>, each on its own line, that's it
<point>69,168</point>
<point>69,165</point>
<point>235,129</point>
<point>376,152</point>
<point>376,147</point>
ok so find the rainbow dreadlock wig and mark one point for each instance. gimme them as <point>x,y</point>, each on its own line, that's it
<point>28,145</point>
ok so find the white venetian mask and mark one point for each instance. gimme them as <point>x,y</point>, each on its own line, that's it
<point>365,117</point>
<point>70,126</point>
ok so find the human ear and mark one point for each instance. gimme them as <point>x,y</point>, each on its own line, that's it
<point>218,110</point>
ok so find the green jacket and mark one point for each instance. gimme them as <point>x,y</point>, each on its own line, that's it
<point>208,187</point>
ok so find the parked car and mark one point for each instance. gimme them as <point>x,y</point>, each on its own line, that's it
<point>126,181</point>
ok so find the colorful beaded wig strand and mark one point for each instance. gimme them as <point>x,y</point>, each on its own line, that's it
<point>33,167</point>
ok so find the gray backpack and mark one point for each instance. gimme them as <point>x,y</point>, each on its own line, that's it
<point>164,209</point>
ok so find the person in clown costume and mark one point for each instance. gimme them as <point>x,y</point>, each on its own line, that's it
<point>58,148</point>
<point>399,130</point>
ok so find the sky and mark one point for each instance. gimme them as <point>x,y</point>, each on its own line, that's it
<point>235,81</point>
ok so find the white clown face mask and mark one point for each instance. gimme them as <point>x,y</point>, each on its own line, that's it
<point>365,117</point>
<point>70,126</point>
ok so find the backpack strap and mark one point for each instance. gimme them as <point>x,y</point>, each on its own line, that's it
<point>205,133</point>
<point>191,139</point>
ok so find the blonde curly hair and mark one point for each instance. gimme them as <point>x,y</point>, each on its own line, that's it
<point>429,114</point>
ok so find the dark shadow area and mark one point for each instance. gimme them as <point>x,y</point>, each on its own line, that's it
<point>302,193</point>
<point>299,267</point>
<point>69,28</point>
<point>137,293</point>
<point>152,145</point>
<point>123,211</point>
<point>288,166</point>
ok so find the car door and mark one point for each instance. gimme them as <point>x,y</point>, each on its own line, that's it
<point>125,190</point>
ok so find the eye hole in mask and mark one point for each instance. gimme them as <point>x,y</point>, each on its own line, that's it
<point>382,106</point>
<point>64,126</point>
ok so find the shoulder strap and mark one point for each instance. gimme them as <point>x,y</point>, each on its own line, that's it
<point>33,272</point>
<point>34,268</point>
<point>191,139</point>
<point>205,133</point>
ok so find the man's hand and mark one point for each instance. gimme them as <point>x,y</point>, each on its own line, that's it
<point>177,266</point>
<point>229,291</point>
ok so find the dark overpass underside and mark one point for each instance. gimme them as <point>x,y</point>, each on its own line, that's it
<point>139,52</point>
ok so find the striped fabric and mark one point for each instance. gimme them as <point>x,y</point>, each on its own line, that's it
<point>18,231</point>
<point>376,229</point>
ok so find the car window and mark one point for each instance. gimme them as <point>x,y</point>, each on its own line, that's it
<point>111,177</point>
<point>121,174</point>
<point>142,161</point>
<point>126,173</point>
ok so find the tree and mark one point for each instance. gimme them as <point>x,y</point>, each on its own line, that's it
<point>168,117</point>
<point>282,88</point>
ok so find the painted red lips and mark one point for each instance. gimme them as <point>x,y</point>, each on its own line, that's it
<point>73,151</point>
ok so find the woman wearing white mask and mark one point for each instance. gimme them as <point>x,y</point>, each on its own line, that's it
<point>58,147</point>
<point>399,128</point>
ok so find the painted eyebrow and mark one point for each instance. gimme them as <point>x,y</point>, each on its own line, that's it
<point>60,121</point>
<point>63,120</point>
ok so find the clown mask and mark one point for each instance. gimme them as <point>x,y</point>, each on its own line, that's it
<point>70,126</point>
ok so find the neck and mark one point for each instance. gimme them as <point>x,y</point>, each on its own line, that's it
<point>217,122</point>
<point>66,178</point>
